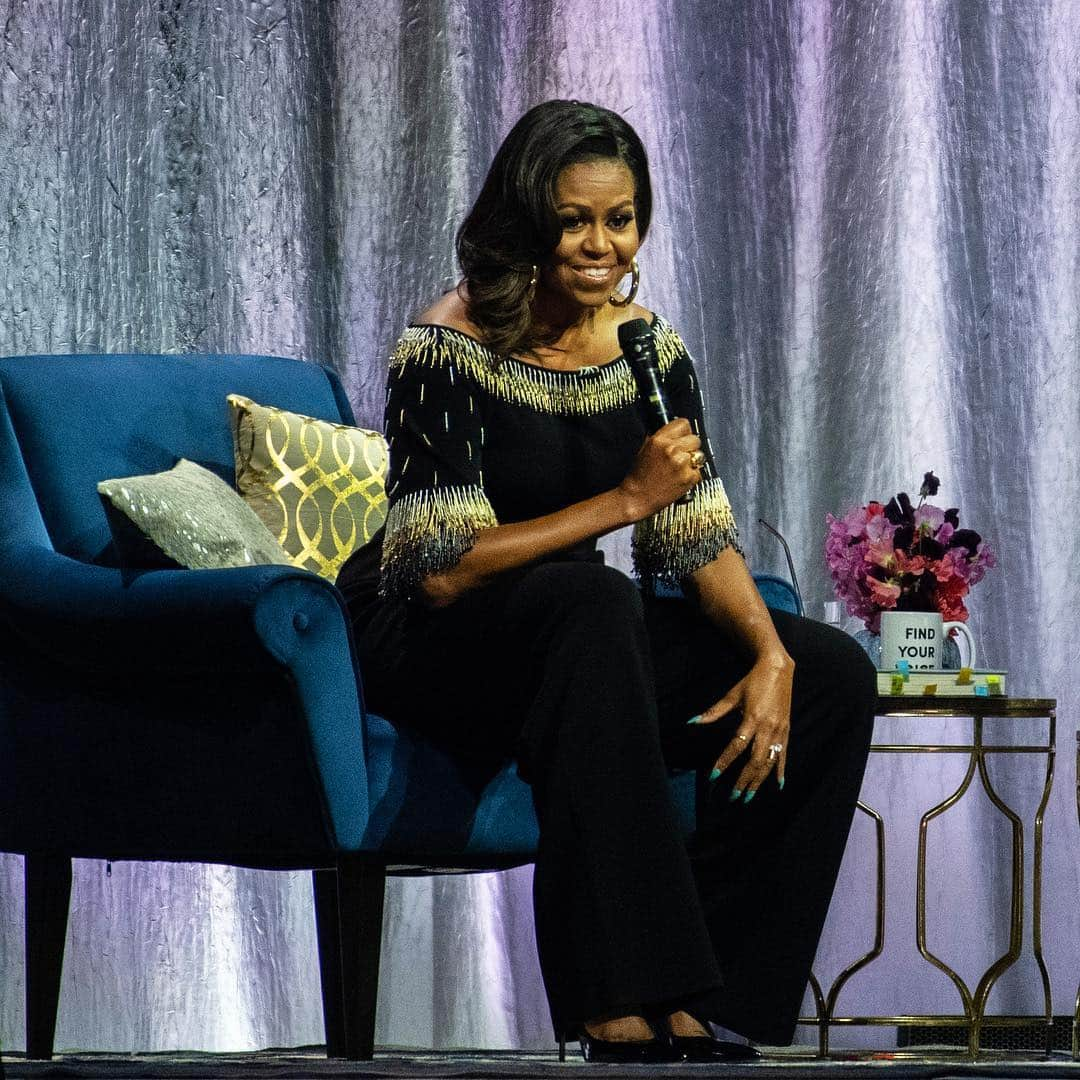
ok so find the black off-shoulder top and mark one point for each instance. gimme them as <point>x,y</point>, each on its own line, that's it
<point>476,441</point>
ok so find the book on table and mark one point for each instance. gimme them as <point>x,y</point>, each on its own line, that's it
<point>965,682</point>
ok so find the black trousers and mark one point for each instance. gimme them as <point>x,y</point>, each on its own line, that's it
<point>568,668</point>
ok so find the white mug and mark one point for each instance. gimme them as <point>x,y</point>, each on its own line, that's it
<point>917,637</point>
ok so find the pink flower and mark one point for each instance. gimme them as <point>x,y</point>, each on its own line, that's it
<point>909,564</point>
<point>985,559</point>
<point>928,519</point>
<point>855,520</point>
<point>884,593</point>
<point>878,526</point>
<point>881,553</point>
<point>949,597</point>
<point>957,561</point>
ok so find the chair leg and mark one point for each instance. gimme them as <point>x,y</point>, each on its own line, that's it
<point>328,931</point>
<point>361,889</point>
<point>48,897</point>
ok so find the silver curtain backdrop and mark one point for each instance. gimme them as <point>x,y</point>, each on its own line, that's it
<point>867,232</point>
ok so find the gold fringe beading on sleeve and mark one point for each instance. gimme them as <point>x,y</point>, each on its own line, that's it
<point>428,531</point>
<point>683,537</point>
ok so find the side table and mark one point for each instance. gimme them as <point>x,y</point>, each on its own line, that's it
<point>974,1017</point>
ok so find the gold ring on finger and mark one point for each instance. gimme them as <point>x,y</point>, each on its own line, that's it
<point>739,735</point>
<point>697,459</point>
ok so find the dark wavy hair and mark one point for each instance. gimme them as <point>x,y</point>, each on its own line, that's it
<point>513,225</point>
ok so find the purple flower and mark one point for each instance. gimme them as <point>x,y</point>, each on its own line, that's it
<point>984,560</point>
<point>855,521</point>
<point>957,559</point>
<point>878,527</point>
<point>929,519</point>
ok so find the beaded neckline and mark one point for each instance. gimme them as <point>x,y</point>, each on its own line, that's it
<point>583,391</point>
<point>658,324</point>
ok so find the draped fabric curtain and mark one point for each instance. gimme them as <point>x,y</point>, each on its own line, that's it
<point>866,230</point>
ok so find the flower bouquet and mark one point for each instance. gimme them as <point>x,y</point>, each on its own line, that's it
<point>899,557</point>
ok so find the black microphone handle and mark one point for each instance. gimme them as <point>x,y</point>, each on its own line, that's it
<point>636,340</point>
<point>652,396</point>
<point>639,348</point>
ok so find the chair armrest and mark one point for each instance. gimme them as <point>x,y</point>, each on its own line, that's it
<point>85,616</point>
<point>777,592</point>
<point>180,623</point>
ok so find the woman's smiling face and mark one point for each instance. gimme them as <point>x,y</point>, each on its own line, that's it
<point>595,203</point>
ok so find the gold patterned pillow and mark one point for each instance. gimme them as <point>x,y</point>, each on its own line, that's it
<point>318,487</point>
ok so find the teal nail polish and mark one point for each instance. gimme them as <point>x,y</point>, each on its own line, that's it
<point>735,795</point>
<point>749,795</point>
<point>695,719</point>
<point>714,775</point>
<point>781,783</point>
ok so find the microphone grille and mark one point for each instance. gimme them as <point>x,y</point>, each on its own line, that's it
<point>633,335</point>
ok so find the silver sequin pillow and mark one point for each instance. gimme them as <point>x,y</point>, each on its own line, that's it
<point>187,517</point>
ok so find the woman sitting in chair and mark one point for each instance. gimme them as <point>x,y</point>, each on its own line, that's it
<point>516,440</point>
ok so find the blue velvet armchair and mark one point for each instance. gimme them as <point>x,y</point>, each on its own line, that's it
<point>202,715</point>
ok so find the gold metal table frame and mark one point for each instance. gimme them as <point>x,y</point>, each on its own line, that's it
<point>974,1017</point>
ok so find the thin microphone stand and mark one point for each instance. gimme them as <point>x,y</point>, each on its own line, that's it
<point>790,561</point>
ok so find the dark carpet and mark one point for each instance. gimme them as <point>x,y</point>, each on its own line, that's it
<point>405,1065</point>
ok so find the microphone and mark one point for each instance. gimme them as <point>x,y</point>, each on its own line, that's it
<point>636,342</point>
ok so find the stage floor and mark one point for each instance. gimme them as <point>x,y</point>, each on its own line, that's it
<point>404,1065</point>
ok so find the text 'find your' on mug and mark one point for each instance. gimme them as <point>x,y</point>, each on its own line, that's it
<point>917,637</point>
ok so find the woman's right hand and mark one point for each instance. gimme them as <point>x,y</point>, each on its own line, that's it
<point>664,470</point>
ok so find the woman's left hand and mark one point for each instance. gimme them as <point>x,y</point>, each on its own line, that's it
<point>764,697</point>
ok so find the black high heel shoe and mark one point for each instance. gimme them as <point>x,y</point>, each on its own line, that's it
<point>709,1048</point>
<point>637,1052</point>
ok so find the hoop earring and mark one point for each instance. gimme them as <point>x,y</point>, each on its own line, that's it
<point>635,280</point>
